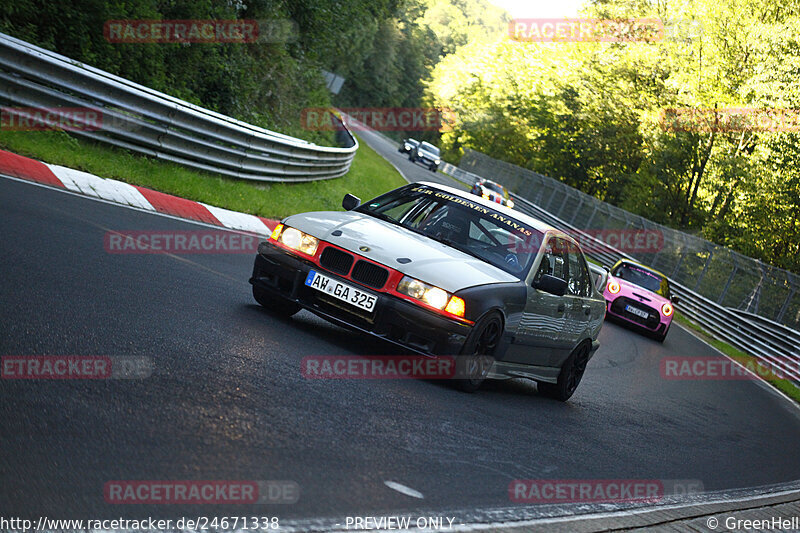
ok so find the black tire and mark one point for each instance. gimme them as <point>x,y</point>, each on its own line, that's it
<point>275,304</point>
<point>476,356</point>
<point>412,158</point>
<point>570,376</point>
<point>433,168</point>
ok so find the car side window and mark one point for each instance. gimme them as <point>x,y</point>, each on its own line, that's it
<point>579,283</point>
<point>554,260</point>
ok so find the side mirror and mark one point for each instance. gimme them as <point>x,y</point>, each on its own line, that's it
<point>350,202</point>
<point>551,284</point>
<point>675,300</point>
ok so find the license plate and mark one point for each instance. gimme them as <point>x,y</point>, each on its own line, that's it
<point>342,291</point>
<point>638,312</point>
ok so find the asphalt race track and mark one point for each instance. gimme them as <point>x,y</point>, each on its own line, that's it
<point>227,400</point>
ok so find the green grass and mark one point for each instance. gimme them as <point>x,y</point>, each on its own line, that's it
<point>783,385</point>
<point>369,176</point>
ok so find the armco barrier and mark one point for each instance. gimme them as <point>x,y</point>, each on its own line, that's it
<point>146,121</point>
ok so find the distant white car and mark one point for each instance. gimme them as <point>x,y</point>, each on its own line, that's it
<point>427,154</point>
<point>408,145</point>
<point>493,192</point>
<point>439,271</point>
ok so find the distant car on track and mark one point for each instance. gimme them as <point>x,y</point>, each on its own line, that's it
<point>427,154</point>
<point>407,145</point>
<point>641,296</point>
<point>494,192</point>
<point>441,272</point>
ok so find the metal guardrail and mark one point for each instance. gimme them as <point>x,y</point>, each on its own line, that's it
<point>775,347</point>
<point>146,121</point>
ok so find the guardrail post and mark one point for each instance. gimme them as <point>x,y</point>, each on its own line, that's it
<point>705,269</point>
<point>575,214</point>
<point>728,283</point>
<point>785,305</point>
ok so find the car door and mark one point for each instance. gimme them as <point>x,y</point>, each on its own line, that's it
<point>579,308</point>
<point>539,337</point>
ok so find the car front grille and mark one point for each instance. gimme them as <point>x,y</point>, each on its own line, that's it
<point>370,274</point>
<point>336,260</point>
<point>652,320</point>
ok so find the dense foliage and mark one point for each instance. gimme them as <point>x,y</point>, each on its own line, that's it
<point>592,115</point>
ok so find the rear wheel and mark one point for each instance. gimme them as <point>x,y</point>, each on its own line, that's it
<point>477,354</point>
<point>569,377</point>
<point>275,304</point>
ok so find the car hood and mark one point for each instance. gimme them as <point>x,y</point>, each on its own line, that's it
<point>431,261</point>
<point>637,293</point>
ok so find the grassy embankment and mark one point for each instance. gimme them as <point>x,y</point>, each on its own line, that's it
<point>369,176</point>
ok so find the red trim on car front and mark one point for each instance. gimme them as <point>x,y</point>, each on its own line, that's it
<point>390,287</point>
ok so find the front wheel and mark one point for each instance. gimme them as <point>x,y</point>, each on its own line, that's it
<point>476,356</point>
<point>275,304</point>
<point>569,377</point>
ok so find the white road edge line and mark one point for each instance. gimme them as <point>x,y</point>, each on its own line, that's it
<point>764,382</point>
<point>402,489</point>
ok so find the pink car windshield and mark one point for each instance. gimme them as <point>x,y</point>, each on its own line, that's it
<point>643,278</point>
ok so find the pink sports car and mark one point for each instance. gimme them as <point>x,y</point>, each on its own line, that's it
<point>639,295</point>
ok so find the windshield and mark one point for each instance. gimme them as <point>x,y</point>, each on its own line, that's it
<point>643,278</point>
<point>430,148</point>
<point>499,189</point>
<point>493,186</point>
<point>472,228</point>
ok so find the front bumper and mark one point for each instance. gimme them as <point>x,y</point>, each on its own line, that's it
<point>655,323</point>
<point>283,275</point>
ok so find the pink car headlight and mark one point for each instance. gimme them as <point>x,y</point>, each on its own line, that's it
<point>666,309</point>
<point>613,287</point>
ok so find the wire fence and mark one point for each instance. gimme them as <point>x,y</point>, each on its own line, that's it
<point>721,275</point>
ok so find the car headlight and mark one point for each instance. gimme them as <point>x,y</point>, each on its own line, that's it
<point>510,203</point>
<point>433,296</point>
<point>295,239</point>
<point>486,196</point>
<point>437,161</point>
<point>613,286</point>
<point>666,309</point>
